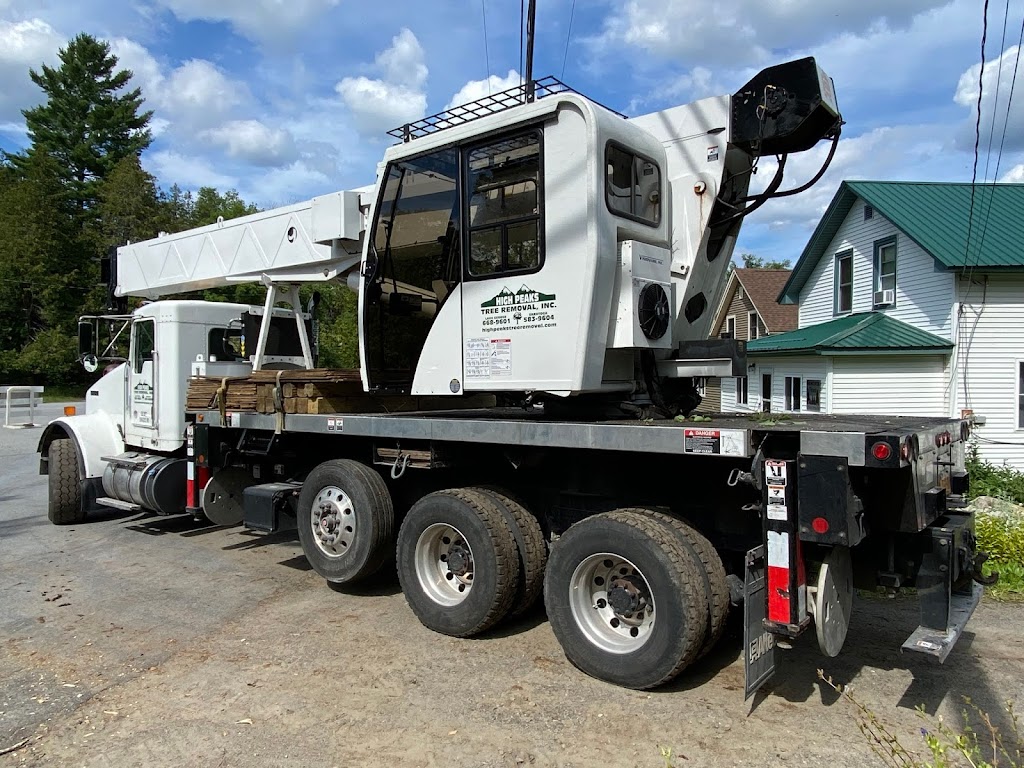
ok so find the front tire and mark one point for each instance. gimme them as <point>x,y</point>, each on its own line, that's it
<point>457,562</point>
<point>625,600</point>
<point>64,484</point>
<point>346,521</point>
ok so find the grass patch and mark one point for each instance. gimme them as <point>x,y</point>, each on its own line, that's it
<point>64,394</point>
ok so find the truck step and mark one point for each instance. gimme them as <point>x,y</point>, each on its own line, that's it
<point>124,506</point>
<point>937,643</point>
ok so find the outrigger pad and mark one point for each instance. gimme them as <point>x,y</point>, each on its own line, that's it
<point>937,643</point>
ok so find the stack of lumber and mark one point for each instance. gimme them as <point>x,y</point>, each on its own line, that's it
<point>314,391</point>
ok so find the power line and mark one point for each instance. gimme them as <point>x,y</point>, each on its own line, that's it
<point>1009,99</point>
<point>487,53</point>
<point>522,16</point>
<point>568,34</point>
<point>974,181</point>
<point>995,99</point>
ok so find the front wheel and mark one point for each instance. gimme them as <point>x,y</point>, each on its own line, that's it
<point>625,600</point>
<point>346,520</point>
<point>64,484</point>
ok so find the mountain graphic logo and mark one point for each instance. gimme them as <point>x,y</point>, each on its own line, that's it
<point>525,295</point>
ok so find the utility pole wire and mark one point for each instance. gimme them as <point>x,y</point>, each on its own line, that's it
<point>568,34</point>
<point>487,53</point>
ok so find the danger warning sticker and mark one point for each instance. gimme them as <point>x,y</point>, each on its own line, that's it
<point>702,441</point>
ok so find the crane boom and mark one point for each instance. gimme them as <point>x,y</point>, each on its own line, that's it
<point>315,240</point>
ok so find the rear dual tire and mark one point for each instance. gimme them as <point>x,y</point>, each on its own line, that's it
<point>458,562</point>
<point>625,599</point>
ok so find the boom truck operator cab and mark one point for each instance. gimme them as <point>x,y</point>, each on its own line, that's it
<point>553,247</point>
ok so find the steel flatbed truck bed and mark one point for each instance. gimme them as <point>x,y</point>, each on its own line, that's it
<point>770,493</point>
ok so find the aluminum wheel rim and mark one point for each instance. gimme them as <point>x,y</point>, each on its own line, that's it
<point>612,603</point>
<point>333,519</point>
<point>444,564</point>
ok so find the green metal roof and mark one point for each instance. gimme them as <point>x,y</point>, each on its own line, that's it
<point>865,332</point>
<point>934,215</point>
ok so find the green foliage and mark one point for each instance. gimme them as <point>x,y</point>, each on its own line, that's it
<point>90,121</point>
<point>1002,482</point>
<point>752,261</point>
<point>50,358</point>
<point>339,332</point>
<point>128,209</point>
<point>945,746</point>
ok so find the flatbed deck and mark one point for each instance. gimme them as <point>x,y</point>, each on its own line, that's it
<point>736,435</point>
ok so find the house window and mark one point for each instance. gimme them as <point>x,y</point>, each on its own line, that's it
<point>632,185</point>
<point>885,272</point>
<point>752,326</point>
<point>730,327</point>
<point>843,283</point>
<point>792,393</point>
<point>813,395</point>
<point>869,211</point>
<point>503,206</point>
<point>741,390</point>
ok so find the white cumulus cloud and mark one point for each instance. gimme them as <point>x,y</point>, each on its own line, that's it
<point>24,45</point>
<point>272,22</point>
<point>738,32</point>
<point>477,89</point>
<point>993,103</point>
<point>254,142</point>
<point>397,97</point>
<point>186,170</point>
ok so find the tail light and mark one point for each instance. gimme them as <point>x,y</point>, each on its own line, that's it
<point>881,451</point>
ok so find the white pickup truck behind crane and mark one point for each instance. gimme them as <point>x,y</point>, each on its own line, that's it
<point>545,272</point>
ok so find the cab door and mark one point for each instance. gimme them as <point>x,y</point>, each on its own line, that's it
<point>141,418</point>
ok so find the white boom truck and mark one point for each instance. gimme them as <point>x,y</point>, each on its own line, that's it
<point>537,276</point>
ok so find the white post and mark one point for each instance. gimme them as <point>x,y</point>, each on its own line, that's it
<point>268,311</point>
<point>307,354</point>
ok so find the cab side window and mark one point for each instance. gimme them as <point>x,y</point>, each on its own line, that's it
<point>632,185</point>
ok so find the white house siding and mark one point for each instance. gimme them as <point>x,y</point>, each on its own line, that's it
<point>811,367</point>
<point>990,347</point>
<point>904,385</point>
<point>924,292</point>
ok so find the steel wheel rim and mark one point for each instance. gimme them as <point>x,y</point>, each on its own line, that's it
<point>333,520</point>
<point>612,603</point>
<point>444,564</point>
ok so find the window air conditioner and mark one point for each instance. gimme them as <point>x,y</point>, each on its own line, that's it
<point>885,297</point>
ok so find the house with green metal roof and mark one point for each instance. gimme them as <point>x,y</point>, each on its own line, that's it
<point>911,302</point>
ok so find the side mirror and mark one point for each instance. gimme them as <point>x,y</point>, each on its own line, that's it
<point>90,363</point>
<point>87,335</point>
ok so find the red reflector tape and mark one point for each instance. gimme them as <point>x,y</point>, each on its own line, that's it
<point>778,577</point>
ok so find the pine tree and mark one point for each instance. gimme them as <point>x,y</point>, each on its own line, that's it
<point>90,121</point>
<point>128,207</point>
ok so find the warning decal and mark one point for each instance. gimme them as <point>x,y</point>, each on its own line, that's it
<point>488,357</point>
<point>707,441</point>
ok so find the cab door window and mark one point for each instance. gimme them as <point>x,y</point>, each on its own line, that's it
<point>142,343</point>
<point>503,206</point>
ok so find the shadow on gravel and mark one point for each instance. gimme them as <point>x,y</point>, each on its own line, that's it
<point>156,525</point>
<point>533,617</point>
<point>382,584</point>
<point>254,540</point>
<point>878,629</point>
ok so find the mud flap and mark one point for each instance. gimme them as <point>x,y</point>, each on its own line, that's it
<point>758,642</point>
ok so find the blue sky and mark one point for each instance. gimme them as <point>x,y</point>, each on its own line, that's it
<point>286,100</point>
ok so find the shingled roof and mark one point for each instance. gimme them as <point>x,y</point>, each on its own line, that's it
<point>763,286</point>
